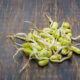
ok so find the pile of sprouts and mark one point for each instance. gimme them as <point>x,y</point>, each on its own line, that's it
<point>53,43</point>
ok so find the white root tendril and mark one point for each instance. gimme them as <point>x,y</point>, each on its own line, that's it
<point>60,29</point>
<point>17,36</point>
<point>23,38</point>
<point>49,18</point>
<point>47,34</point>
<point>26,64</point>
<point>18,44</point>
<point>20,49</point>
<point>61,26</point>
<point>77,44</point>
<point>32,24</point>
<point>32,41</point>
<point>21,34</point>
<point>28,22</point>
<point>76,38</point>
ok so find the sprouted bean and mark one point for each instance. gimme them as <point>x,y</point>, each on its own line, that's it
<point>46,45</point>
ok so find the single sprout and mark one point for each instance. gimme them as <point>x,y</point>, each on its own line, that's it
<point>55,57</point>
<point>69,34</point>
<point>65,51</point>
<point>67,30</point>
<point>66,25</point>
<point>63,59</point>
<point>43,62</point>
<point>75,49</point>
<point>26,45</point>
<point>54,25</point>
<point>43,35</point>
<point>27,51</point>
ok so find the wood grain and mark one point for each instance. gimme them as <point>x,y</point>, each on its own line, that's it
<point>13,13</point>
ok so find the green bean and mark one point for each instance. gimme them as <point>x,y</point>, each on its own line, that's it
<point>65,51</point>
<point>43,62</point>
<point>43,35</point>
<point>64,41</point>
<point>57,34</point>
<point>75,49</point>
<point>55,57</point>
<point>66,25</point>
<point>36,46</point>
<point>67,30</point>
<point>46,35</point>
<point>54,25</point>
<point>61,39</point>
<point>26,45</point>
<point>27,51</point>
<point>69,34</point>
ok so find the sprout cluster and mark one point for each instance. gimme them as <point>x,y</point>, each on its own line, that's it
<point>53,43</point>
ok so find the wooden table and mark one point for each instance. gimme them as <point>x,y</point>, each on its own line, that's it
<point>13,13</point>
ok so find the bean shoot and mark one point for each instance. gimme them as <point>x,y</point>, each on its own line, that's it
<point>45,45</point>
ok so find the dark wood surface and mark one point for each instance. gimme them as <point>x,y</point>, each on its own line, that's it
<point>12,16</point>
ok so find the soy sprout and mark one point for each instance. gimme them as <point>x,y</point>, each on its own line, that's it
<point>46,45</point>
